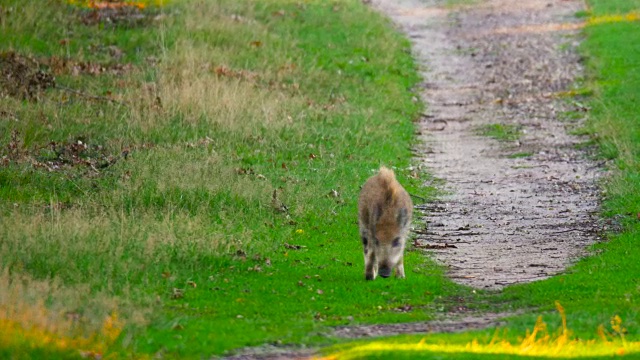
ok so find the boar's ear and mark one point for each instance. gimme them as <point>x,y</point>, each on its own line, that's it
<point>402,217</point>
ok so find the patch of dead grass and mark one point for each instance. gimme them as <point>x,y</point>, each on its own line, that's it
<point>89,247</point>
<point>185,169</point>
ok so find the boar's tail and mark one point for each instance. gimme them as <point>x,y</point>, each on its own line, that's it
<point>389,183</point>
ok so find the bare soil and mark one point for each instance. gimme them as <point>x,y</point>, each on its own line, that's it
<point>511,211</point>
<point>515,211</point>
<point>454,324</point>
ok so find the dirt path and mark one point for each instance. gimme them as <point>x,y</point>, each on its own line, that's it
<point>507,217</point>
<point>504,219</point>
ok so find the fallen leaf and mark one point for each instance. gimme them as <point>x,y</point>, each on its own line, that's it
<point>177,293</point>
<point>294,247</point>
<point>73,316</point>
<point>404,308</point>
<point>90,354</point>
<point>244,171</point>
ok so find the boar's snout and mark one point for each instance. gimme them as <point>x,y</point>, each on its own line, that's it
<point>384,271</point>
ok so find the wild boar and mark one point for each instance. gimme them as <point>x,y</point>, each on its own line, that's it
<point>384,216</point>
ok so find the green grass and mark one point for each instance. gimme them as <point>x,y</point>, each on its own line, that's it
<point>500,132</point>
<point>453,3</point>
<point>518,155</point>
<point>612,7</point>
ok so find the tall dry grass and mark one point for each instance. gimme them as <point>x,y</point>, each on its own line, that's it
<point>115,252</point>
<point>204,79</point>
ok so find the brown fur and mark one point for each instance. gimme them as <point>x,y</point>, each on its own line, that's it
<point>384,216</point>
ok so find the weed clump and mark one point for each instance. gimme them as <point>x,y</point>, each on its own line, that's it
<point>501,132</point>
<point>58,156</point>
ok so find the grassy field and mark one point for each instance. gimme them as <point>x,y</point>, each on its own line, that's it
<point>189,185</point>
